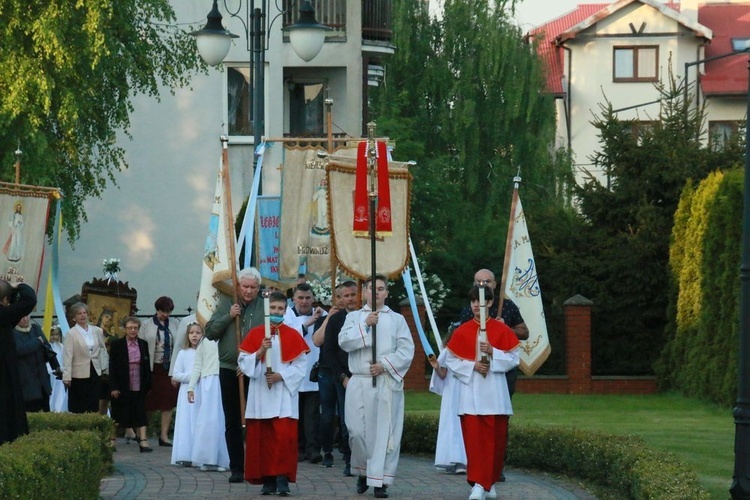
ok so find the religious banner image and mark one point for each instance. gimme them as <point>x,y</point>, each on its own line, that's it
<point>23,223</point>
<point>522,287</point>
<point>352,248</point>
<point>305,235</point>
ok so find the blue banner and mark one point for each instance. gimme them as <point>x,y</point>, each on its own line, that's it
<point>269,217</point>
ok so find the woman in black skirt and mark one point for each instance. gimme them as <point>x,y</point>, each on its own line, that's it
<point>130,381</point>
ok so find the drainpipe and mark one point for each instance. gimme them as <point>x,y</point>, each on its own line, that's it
<point>567,99</point>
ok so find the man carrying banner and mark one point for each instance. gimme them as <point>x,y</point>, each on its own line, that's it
<point>375,412</point>
<point>222,327</point>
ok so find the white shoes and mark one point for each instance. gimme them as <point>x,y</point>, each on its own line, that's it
<point>477,492</point>
<point>460,469</point>
<point>492,493</point>
<point>212,468</point>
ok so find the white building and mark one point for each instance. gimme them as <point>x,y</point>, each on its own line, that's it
<point>156,222</point>
<point>617,51</point>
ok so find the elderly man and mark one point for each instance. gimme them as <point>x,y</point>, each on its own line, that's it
<point>375,412</point>
<point>510,315</point>
<point>302,317</point>
<point>222,327</point>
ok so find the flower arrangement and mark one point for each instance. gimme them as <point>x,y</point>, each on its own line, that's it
<point>111,268</point>
<point>321,290</point>
<point>435,288</point>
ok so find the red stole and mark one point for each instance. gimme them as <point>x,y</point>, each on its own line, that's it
<point>361,224</point>
<point>291,342</point>
<point>464,345</point>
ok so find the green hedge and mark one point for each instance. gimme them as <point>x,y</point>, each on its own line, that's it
<point>101,425</point>
<point>51,465</point>
<point>617,466</point>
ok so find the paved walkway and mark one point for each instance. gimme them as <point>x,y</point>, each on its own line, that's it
<point>149,475</point>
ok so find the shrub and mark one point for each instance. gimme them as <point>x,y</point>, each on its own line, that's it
<point>102,426</point>
<point>46,464</point>
<point>616,466</point>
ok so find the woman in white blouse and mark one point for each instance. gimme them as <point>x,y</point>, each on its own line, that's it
<point>84,360</point>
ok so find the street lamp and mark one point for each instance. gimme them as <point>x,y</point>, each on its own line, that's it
<point>306,37</point>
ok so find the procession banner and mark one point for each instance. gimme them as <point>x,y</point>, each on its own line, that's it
<point>353,251</point>
<point>24,211</point>
<point>305,239</point>
<point>268,223</point>
<point>521,284</point>
<point>216,271</point>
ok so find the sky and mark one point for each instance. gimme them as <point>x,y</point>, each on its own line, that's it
<point>531,13</point>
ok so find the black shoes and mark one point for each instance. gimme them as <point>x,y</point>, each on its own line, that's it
<point>282,486</point>
<point>269,485</point>
<point>164,443</point>
<point>317,458</point>
<point>362,484</point>
<point>348,470</point>
<point>381,492</point>
<point>327,460</point>
<point>144,449</point>
<point>238,477</point>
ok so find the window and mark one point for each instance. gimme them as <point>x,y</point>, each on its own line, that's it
<point>239,107</point>
<point>720,132</point>
<point>306,109</point>
<point>740,44</point>
<point>636,64</point>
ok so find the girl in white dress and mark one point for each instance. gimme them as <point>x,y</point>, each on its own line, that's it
<point>184,422</point>
<point>209,444</point>
<point>450,453</point>
<point>58,400</point>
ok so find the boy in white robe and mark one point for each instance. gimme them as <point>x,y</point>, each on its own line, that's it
<point>375,415</point>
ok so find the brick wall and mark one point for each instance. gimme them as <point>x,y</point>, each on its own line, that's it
<point>416,376</point>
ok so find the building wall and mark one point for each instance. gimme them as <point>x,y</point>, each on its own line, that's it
<point>156,221</point>
<point>592,85</point>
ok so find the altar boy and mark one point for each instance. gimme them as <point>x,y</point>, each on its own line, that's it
<point>272,400</point>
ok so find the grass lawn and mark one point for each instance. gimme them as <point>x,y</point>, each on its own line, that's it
<point>699,433</point>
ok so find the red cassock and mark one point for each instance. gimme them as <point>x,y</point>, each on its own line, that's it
<point>271,443</point>
<point>485,435</point>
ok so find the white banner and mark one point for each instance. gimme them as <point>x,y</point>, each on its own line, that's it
<point>216,273</point>
<point>522,287</point>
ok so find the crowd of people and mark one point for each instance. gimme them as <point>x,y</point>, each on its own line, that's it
<point>303,381</point>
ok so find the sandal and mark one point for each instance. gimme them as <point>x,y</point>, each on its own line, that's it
<point>144,449</point>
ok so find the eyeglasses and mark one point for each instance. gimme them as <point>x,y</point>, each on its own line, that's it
<point>133,327</point>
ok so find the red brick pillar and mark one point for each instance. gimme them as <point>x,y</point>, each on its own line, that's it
<point>578,344</point>
<point>415,377</point>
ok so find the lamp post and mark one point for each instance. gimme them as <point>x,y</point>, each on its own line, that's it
<point>306,37</point>
<point>741,478</point>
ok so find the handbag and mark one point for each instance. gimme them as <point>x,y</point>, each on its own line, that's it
<point>315,372</point>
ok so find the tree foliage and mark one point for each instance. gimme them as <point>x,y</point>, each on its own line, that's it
<point>627,226</point>
<point>700,358</point>
<point>463,96</point>
<point>70,70</point>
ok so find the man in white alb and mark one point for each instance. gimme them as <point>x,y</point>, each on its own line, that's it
<point>375,414</point>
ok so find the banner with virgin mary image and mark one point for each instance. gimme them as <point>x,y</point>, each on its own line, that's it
<point>24,211</point>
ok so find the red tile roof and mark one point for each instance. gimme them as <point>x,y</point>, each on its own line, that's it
<point>552,55</point>
<point>726,21</point>
<point>726,76</point>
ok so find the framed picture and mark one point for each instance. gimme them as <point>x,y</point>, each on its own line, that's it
<point>109,302</point>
